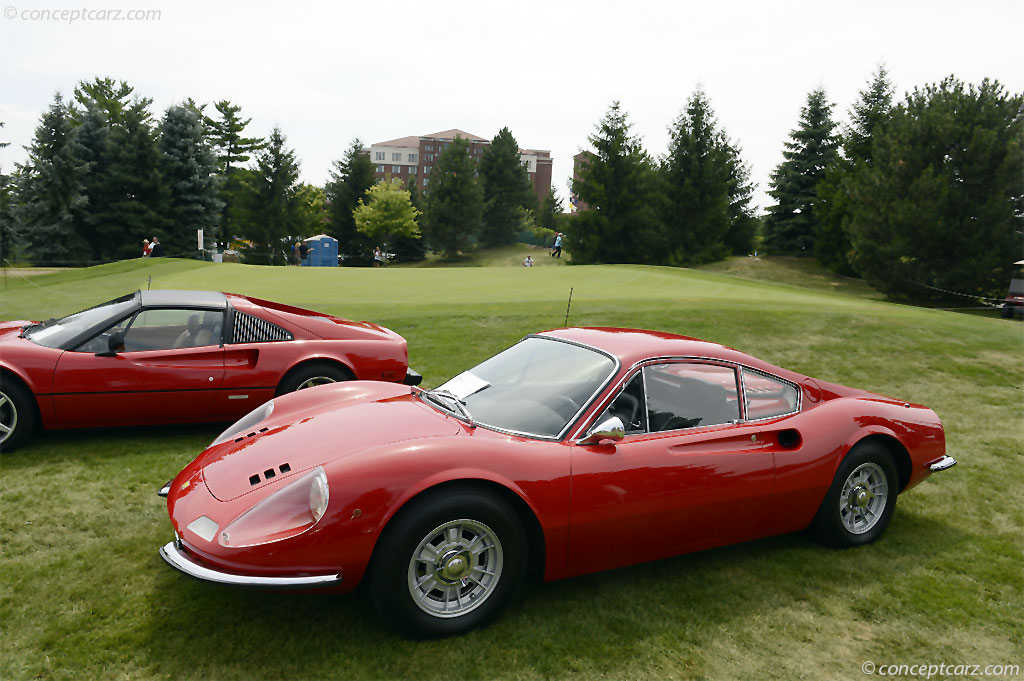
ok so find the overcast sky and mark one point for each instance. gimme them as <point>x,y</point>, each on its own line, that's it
<point>548,70</point>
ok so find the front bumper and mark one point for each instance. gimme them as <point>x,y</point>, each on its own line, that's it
<point>942,464</point>
<point>178,559</point>
<point>412,377</point>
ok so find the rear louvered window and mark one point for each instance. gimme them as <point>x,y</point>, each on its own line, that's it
<point>249,329</point>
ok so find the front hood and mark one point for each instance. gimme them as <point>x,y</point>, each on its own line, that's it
<point>10,330</point>
<point>316,426</point>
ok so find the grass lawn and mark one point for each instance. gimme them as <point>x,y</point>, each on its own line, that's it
<point>84,595</point>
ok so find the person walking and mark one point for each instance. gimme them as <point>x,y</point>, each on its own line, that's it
<point>378,257</point>
<point>556,252</point>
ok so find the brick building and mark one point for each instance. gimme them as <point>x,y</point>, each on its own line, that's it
<point>412,158</point>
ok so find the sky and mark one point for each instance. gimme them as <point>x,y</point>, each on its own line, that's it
<point>546,69</point>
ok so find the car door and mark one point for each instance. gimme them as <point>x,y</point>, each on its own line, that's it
<point>689,474</point>
<point>167,371</point>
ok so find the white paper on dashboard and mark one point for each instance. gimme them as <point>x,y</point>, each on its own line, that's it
<point>464,385</point>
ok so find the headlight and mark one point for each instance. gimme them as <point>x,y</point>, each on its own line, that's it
<point>286,513</point>
<point>246,422</point>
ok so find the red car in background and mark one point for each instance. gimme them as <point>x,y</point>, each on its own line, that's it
<point>161,357</point>
<point>573,451</point>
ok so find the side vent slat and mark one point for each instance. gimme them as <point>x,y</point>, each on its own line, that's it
<point>249,329</point>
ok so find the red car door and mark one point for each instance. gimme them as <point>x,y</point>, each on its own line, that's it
<point>685,477</point>
<point>169,370</point>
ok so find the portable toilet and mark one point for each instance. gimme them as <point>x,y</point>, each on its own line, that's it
<point>323,251</point>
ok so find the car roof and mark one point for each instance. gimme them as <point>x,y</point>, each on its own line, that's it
<point>205,299</point>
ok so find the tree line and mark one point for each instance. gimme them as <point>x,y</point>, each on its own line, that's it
<point>921,197</point>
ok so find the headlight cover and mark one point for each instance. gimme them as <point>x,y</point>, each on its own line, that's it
<point>246,422</point>
<point>286,513</point>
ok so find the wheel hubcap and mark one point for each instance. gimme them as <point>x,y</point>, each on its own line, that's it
<point>863,499</point>
<point>315,380</point>
<point>8,417</point>
<point>455,568</point>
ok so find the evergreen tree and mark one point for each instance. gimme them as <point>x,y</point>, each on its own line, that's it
<point>386,212</point>
<point>8,231</point>
<point>625,195</point>
<point>232,149</point>
<point>940,203</point>
<point>51,189</point>
<point>188,168</point>
<point>708,189</point>
<point>350,178</point>
<point>507,189</point>
<point>550,210</point>
<point>789,227</point>
<point>831,242</point>
<point>274,211</point>
<point>455,202</point>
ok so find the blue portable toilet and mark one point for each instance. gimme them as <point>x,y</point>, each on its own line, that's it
<point>323,251</point>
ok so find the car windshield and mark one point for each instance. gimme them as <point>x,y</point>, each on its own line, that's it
<point>56,332</point>
<point>536,387</point>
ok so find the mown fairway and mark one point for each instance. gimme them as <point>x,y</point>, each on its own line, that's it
<point>84,595</point>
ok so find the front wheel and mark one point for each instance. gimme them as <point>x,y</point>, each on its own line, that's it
<point>17,415</point>
<point>447,564</point>
<point>861,500</point>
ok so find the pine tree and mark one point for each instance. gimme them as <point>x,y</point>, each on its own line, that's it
<point>455,202</point>
<point>831,242</point>
<point>708,188</point>
<point>940,204</point>
<point>789,227</point>
<point>625,195</point>
<point>232,150</point>
<point>350,178</point>
<point>9,233</point>
<point>273,205</point>
<point>507,189</point>
<point>51,189</point>
<point>550,210</point>
<point>188,168</point>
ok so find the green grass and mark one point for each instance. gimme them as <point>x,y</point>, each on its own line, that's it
<point>83,593</point>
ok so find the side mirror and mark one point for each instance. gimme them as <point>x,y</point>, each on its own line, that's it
<point>115,344</point>
<point>609,430</point>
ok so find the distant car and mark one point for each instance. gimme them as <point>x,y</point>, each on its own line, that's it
<point>159,357</point>
<point>1014,301</point>
<point>573,451</point>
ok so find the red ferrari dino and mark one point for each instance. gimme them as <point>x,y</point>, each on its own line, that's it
<point>573,451</point>
<point>157,357</point>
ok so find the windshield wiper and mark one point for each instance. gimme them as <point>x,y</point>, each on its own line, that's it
<point>459,404</point>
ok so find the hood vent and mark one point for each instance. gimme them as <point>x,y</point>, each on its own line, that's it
<point>268,474</point>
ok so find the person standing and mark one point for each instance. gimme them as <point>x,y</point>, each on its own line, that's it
<point>556,252</point>
<point>156,249</point>
<point>146,248</point>
<point>378,257</point>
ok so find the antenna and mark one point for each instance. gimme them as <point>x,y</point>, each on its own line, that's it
<point>567,308</point>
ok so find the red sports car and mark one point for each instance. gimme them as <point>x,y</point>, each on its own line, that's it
<point>157,357</point>
<point>573,451</point>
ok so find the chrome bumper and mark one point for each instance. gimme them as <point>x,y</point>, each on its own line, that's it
<point>942,464</point>
<point>179,560</point>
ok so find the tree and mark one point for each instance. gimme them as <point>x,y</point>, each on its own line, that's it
<point>789,227</point>
<point>8,231</point>
<point>507,189</point>
<point>273,207</point>
<point>51,188</point>
<point>312,201</point>
<point>350,178</point>
<point>831,242</point>
<point>708,189</point>
<point>625,195</point>
<point>940,204</point>
<point>386,214</point>
<point>188,168</point>
<point>550,210</point>
<point>232,149</point>
<point>455,202</point>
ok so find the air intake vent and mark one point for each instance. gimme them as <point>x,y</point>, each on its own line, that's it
<point>249,329</point>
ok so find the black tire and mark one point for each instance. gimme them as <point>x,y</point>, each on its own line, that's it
<point>859,517</point>
<point>316,373</point>
<point>393,573</point>
<point>17,414</point>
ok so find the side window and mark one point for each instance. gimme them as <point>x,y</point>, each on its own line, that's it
<point>174,328</point>
<point>629,407</point>
<point>767,397</point>
<point>101,342</point>
<point>687,395</point>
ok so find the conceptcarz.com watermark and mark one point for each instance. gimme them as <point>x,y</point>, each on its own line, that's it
<point>70,16</point>
<point>940,671</point>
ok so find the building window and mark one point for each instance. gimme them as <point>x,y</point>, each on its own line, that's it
<point>378,156</point>
<point>425,181</point>
<point>396,169</point>
<point>380,168</point>
<point>412,170</point>
<point>412,158</point>
<point>428,157</point>
<point>429,147</point>
<point>426,169</point>
<point>396,156</point>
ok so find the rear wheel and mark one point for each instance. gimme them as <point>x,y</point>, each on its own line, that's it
<point>861,500</point>
<point>17,415</point>
<point>310,375</point>
<point>448,563</point>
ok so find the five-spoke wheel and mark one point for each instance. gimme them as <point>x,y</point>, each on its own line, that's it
<point>310,375</point>
<point>17,414</point>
